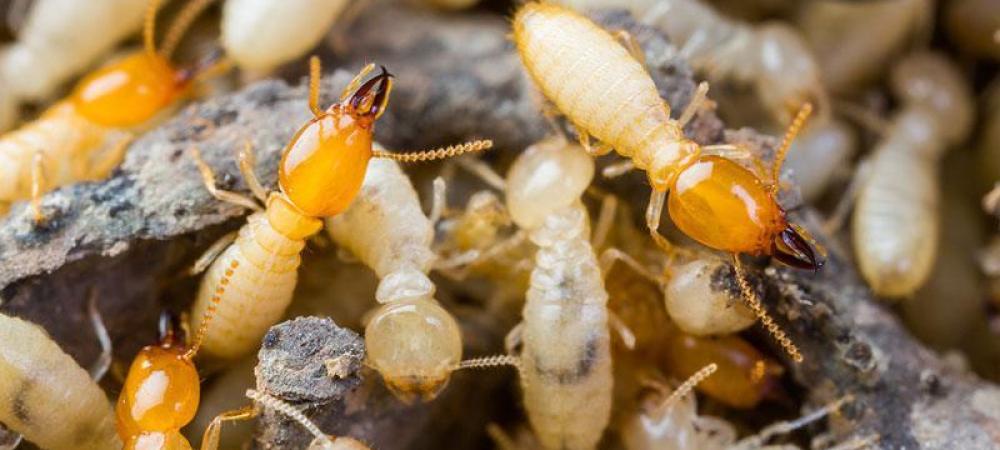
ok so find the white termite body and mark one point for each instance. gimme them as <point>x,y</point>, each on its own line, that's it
<point>251,283</point>
<point>565,354</point>
<point>261,35</point>
<point>895,225</point>
<point>701,303</point>
<point>61,38</point>
<point>411,340</point>
<point>46,396</point>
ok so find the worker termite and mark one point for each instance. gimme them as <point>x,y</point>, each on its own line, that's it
<point>568,56</point>
<point>895,224</point>
<point>250,284</point>
<point>410,340</point>
<point>260,35</point>
<point>60,38</point>
<point>46,396</point>
<point>85,136</point>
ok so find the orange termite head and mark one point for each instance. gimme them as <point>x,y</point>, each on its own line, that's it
<point>323,166</point>
<point>794,247</point>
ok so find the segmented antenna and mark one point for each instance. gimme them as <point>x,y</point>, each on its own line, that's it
<point>440,153</point>
<point>489,361</point>
<point>149,27</point>
<point>786,142</point>
<point>688,385</point>
<point>314,78</point>
<point>750,297</point>
<point>181,23</point>
<point>290,411</point>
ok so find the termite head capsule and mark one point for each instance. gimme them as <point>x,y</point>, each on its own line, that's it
<point>548,176</point>
<point>323,166</point>
<point>160,396</point>
<point>130,91</point>
<point>415,345</point>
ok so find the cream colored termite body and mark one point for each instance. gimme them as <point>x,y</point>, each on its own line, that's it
<point>46,396</point>
<point>411,340</point>
<point>700,303</point>
<point>61,38</point>
<point>895,223</point>
<point>261,35</point>
<point>71,148</point>
<point>253,279</point>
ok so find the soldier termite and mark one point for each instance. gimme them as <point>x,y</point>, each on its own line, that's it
<point>250,284</point>
<point>260,35</point>
<point>895,224</point>
<point>85,136</point>
<point>410,340</point>
<point>46,396</point>
<point>569,57</point>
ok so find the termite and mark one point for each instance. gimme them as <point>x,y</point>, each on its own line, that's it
<point>249,285</point>
<point>260,35</point>
<point>745,375</point>
<point>46,396</point>
<point>410,340</point>
<point>568,56</point>
<point>83,137</point>
<point>895,224</point>
<point>61,38</point>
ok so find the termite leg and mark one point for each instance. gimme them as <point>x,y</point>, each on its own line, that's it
<point>248,161</point>
<point>631,44</point>
<point>210,440</point>
<point>356,82</point>
<point>482,170</point>
<point>612,255</point>
<point>653,212</point>
<point>697,99</point>
<point>208,177</point>
<point>600,149</point>
<point>37,185</point>
<point>112,158</point>
<point>622,330</point>
<point>618,169</point>
<point>605,219</point>
<point>513,339</point>
<point>844,205</point>
<point>785,427</point>
<point>439,200</point>
<point>473,257</point>
<point>211,254</point>
<point>100,366</point>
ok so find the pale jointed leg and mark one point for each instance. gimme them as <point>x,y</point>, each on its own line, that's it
<point>618,169</point>
<point>248,161</point>
<point>211,254</point>
<point>38,185</point>
<point>653,212</point>
<point>622,330</point>
<point>100,366</point>
<point>697,99</point>
<point>631,44</point>
<point>208,177</point>
<point>605,219</point>
<point>210,440</point>
<point>612,255</point>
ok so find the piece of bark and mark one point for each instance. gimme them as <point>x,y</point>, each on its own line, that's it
<point>458,78</point>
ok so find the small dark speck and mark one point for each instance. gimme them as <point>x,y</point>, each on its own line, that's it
<point>844,337</point>
<point>271,338</point>
<point>225,118</point>
<point>176,155</point>
<point>931,383</point>
<point>180,211</point>
<point>118,208</point>
<point>227,181</point>
<point>860,355</point>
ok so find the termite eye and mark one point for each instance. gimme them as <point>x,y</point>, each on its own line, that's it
<point>793,249</point>
<point>127,93</point>
<point>371,99</point>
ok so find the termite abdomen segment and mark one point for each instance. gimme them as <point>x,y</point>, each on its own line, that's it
<point>415,345</point>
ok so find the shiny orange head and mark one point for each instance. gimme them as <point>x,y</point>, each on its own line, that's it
<point>323,166</point>
<point>133,90</point>
<point>160,395</point>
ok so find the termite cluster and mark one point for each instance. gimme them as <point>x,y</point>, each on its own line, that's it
<point>620,328</point>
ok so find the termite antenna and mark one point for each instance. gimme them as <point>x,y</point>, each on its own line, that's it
<point>785,427</point>
<point>291,412</point>
<point>149,27</point>
<point>314,78</point>
<point>180,25</point>
<point>440,153</point>
<point>793,130</point>
<point>750,297</point>
<point>490,361</point>
<point>688,385</point>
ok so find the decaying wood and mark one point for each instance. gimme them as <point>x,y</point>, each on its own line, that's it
<point>458,78</point>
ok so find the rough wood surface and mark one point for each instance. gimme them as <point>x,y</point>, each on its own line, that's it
<point>458,78</point>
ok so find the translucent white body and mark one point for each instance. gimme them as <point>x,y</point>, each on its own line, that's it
<point>262,34</point>
<point>566,345</point>
<point>678,427</point>
<point>412,341</point>
<point>895,224</point>
<point>256,275</point>
<point>822,150</point>
<point>547,177</point>
<point>73,149</point>
<point>46,396</point>
<point>61,38</point>
<point>702,306</point>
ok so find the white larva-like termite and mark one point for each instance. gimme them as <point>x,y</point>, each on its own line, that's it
<point>410,340</point>
<point>60,39</point>
<point>46,396</point>
<point>895,225</point>
<point>260,35</point>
